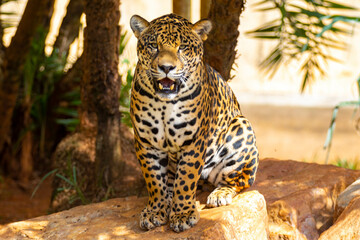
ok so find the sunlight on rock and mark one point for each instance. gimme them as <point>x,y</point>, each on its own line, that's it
<point>123,230</point>
<point>38,225</point>
<point>104,237</point>
<point>31,229</point>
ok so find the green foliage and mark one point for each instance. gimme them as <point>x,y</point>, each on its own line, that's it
<point>331,129</point>
<point>71,179</point>
<point>70,111</point>
<point>344,163</point>
<point>73,100</point>
<point>71,182</point>
<point>124,39</point>
<point>45,72</point>
<point>41,73</point>
<point>304,31</point>
<point>41,181</point>
<point>124,99</point>
<point>125,89</point>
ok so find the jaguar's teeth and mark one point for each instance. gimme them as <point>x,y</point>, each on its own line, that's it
<point>172,87</point>
<point>161,86</point>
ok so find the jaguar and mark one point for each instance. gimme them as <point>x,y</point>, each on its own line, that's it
<point>188,126</point>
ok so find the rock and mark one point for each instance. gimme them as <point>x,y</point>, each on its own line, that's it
<point>245,218</point>
<point>346,196</point>
<point>300,199</point>
<point>347,226</point>
<point>300,196</point>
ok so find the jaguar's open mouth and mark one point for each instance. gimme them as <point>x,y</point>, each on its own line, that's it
<point>167,85</point>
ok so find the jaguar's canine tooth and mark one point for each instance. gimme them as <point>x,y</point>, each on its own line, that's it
<point>161,86</point>
<point>172,87</point>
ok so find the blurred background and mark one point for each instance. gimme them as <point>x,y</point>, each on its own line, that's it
<point>290,123</point>
<point>295,73</point>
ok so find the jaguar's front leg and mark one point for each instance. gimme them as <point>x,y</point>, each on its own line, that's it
<point>183,213</point>
<point>154,168</point>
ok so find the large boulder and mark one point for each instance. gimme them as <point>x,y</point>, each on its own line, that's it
<point>300,203</point>
<point>245,218</point>
<point>301,197</point>
<point>346,196</point>
<point>347,226</point>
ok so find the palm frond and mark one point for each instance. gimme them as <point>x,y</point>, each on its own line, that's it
<point>303,30</point>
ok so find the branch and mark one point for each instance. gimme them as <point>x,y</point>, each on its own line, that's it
<point>70,25</point>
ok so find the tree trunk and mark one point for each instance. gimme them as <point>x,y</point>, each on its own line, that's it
<point>69,29</point>
<point>15,55</point>
<point>2,49</point>
<point>94,149</point>
<point>26,157</point>
<point>220,46</point>
<point>102,81</point>
<point>182,8</point>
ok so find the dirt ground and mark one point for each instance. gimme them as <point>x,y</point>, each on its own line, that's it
<point>296,133</point>
<point>16,203</point>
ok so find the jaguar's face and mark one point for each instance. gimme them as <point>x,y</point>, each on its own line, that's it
<point>170,49</point>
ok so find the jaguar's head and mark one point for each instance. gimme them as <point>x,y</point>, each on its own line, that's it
<point>170,51</point>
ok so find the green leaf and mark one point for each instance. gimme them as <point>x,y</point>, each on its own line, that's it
<point>358,85</point>
<point>41,181</point>
<point>75,94</point>
<point>305,80</point>
<point>337,19</point>
<point>306,12</point>
<point>67,111</point>
<point>330,132</point>
<point>266,37</point>
<point>300,31</point>
<point>67,121</point>
<point>74,175</point>
<point>75,103</point>
<point>65,179</point>
<point>272,58</point>
<point>273,27</point>
<point>334,5</point>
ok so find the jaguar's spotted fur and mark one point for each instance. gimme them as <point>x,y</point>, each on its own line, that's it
<point>187,124</point>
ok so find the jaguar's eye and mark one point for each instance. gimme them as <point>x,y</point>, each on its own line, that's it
<point>183,47</point>
<point>153,45</point>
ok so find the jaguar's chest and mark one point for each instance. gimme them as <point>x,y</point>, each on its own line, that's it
<point>166,126</point>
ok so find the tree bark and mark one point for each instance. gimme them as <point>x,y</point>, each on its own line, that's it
<point>2,48</point>
<point>69,29</point>
<point>15,55</point>
<point>182,8</point>
<point>26,157</point>
<point>101,82</point>
<point>220,46</point>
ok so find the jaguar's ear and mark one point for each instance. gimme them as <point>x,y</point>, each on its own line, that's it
<point>138,24</point>
<point>202,28</point>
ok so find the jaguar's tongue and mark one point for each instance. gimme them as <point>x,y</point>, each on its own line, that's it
<point>166,84</point>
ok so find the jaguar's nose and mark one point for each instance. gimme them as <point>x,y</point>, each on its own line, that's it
<point>166,68</point>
